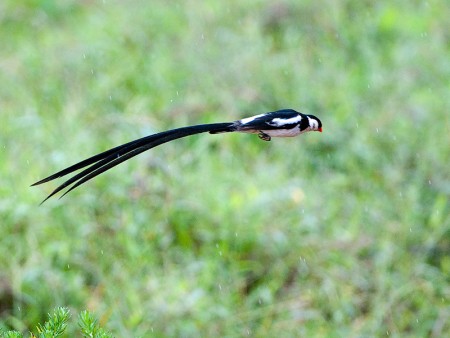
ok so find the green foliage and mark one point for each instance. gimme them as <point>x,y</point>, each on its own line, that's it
<point>57,324</point>
<point>11,334</point>
<point>344,233</point>
<point>90,327</point>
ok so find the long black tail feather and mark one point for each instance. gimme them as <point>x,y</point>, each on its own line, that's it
<point>108,159</point>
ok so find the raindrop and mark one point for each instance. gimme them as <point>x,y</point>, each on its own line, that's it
<point>429,182</point>
<point>235,234</point>
<point>101,251</point>
<point>377,130</point>
<point>220,287</point>
<point>84,56</point>
<point>110,98</point>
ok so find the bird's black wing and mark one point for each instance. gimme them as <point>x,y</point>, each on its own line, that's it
<point>108,159</point>
<point>280,119</point>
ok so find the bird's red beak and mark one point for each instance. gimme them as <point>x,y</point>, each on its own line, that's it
<point>320,129</point>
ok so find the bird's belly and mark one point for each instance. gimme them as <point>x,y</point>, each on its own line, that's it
<point>283,132</point>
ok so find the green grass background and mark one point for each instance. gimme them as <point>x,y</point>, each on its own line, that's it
<point>339,234</point>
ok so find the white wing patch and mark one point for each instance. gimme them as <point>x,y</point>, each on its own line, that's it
<point>251,118</point>
<point>279,122</point>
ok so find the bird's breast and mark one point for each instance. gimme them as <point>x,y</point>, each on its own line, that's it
<point>283,132</point>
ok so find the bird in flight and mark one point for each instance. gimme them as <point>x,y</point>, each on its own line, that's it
<point>280,123</point>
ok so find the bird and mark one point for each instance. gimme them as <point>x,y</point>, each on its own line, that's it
<point>279,123</point>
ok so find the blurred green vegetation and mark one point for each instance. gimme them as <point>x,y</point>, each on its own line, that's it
<point>339,234</point>
<point>56,325</point>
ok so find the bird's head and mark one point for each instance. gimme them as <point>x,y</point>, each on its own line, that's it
<point>314,123</point>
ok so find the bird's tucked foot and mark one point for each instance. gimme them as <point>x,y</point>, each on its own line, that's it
<point>263,136</point>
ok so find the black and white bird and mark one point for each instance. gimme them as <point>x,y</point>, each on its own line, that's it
<point>280,123</point>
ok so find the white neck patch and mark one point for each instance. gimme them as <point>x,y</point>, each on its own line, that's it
<point>313,124</point>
